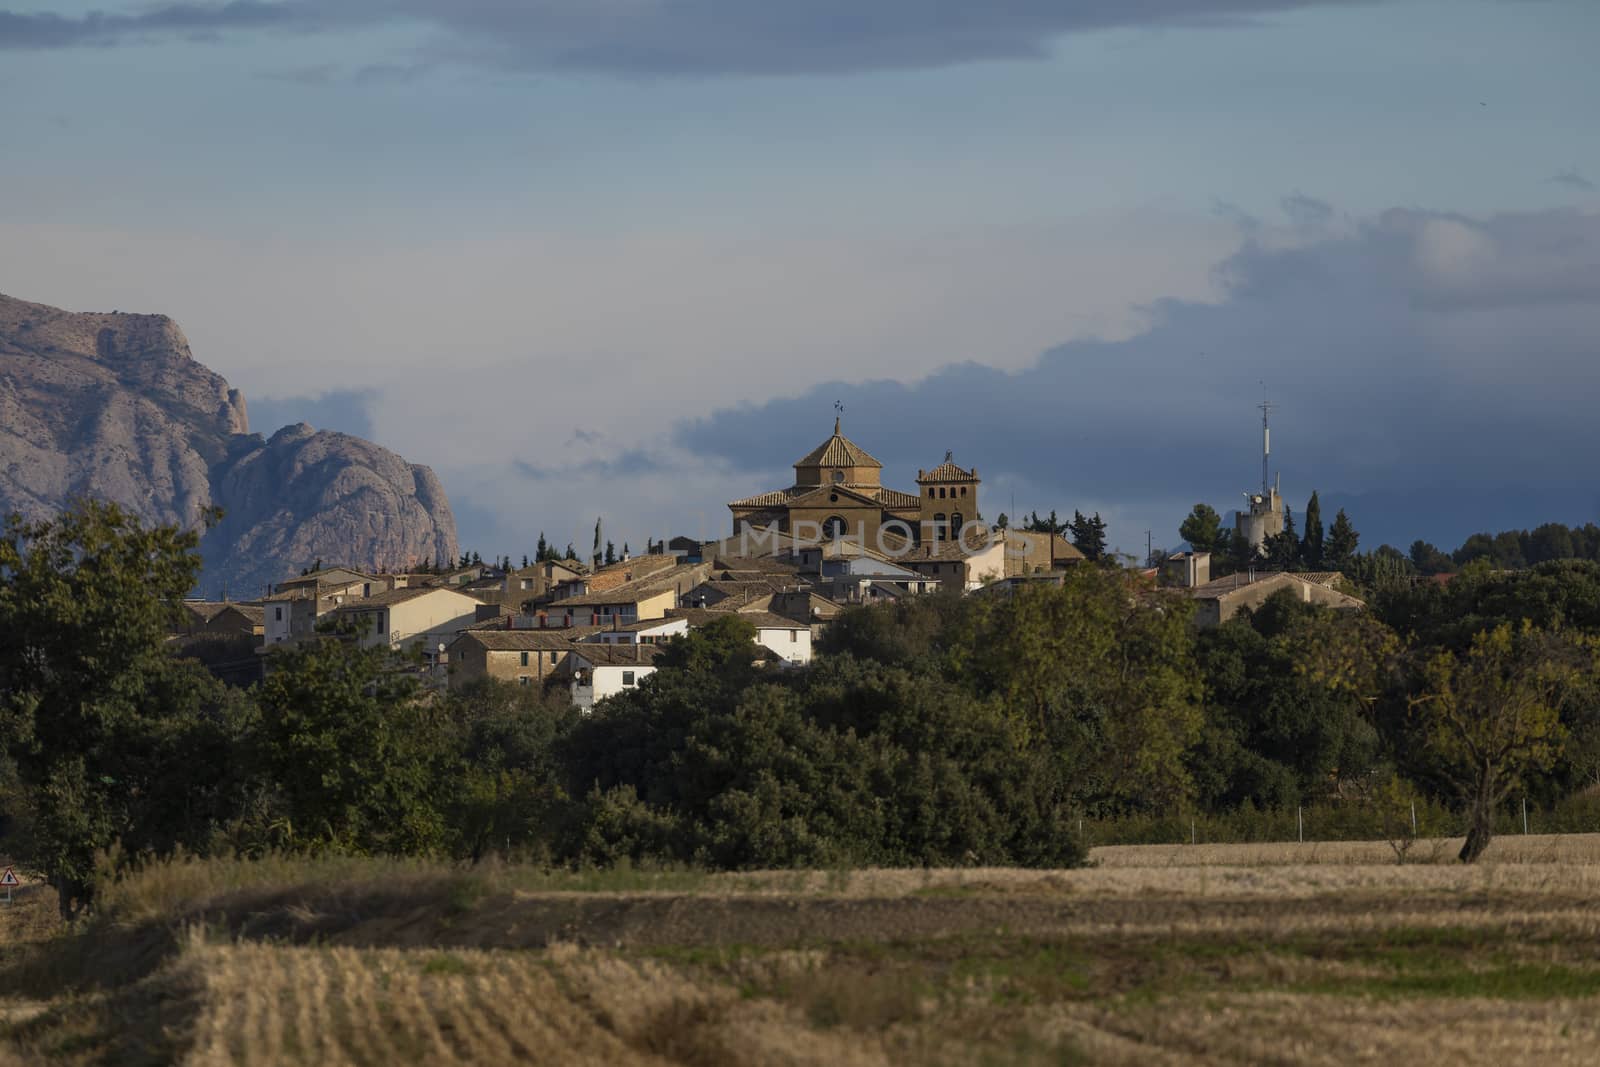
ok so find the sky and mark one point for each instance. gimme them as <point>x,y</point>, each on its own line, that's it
<point>623,258</point>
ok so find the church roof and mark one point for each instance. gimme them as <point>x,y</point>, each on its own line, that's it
<point>948,472</point>
<point>895,500</point>
<point>837,451</point>
<point>892,499</point>
<point>776,498</point>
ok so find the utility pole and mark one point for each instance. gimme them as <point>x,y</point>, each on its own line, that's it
<point>1149,551</point>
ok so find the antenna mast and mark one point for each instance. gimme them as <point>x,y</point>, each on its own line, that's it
<point>1266,443</point>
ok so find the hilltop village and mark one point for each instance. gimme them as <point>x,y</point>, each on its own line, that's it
<point>795,557</point>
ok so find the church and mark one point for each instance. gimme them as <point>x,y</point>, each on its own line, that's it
<point>838,490</point>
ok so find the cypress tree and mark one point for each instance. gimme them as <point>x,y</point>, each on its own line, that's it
<point>1311,546</point>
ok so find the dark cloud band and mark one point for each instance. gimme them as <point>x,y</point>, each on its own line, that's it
<point>671,37</point>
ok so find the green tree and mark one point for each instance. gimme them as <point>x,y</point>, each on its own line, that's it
<point>1493,714</point>
<point>86,602</point>
<point>1088,534</point>
<point>1290,694</point>
<point>1202,529</point>
<point>595,556</point>
<point>1283,548</point>
<point>501,781</point>
<point>1551,541</point>
<point>611,553</point>
<point>1099,672</point>
<point>1003,521</point>
<point>1340,548</point>
<point>1428,559</point>
<point>349,749</point>
<point>1311,543</point>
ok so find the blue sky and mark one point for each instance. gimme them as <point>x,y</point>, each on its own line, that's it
<point>533,243</point>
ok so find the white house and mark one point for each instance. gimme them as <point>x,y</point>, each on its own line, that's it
<point>648,632</point>
<point>790,640</point>
<point>600,671</point>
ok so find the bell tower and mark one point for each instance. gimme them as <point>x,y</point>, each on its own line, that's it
<point>949,500</point>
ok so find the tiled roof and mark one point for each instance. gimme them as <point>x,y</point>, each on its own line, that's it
<point>837,451</point>
<point>618,655</point>
<point>628,593</point>
<point>895,500</point>
<point>947,472</point>
<point>329,576</point>
<point>526,640</point>
<point>766,620</point>
<point>397,596</point>
<point>776,498</point>
<point>639,566</point>
<point>632,627</point>
<point>1232,583</point>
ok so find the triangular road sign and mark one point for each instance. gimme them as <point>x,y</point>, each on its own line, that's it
<point>9,879</point>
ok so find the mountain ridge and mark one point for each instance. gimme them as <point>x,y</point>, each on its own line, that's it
<point>114,405</point>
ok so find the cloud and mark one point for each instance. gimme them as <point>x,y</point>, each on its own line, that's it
<point>346,410</point>
<point>1307,212</point>
<point>669,37</point>
<point>629,464</point>
<point>1571,178</point>
<point>21,30</point>
<point>1416,353</point>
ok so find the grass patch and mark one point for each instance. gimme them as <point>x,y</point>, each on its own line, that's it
<point>447,964</point>
<point>1502,981</point>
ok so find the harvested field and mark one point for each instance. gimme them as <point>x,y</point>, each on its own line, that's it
<point>1198,954</point>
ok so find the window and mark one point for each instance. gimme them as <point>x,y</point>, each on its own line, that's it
<point>838,477</point>
<point>523,679</point>
<point>381,621</point>
<point>794,635</point>
<point>277,614</point>
<point>941,492</point>
<point>627,677</point>
<point>956,522</point>
<point>524,659</point>
<point>834,527</point>
<point>963,490</point>
<point>930,492</point>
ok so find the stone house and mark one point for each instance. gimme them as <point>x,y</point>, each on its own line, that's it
<point>519,657</point>
<point>401,619</point>
<point>1222,598</point>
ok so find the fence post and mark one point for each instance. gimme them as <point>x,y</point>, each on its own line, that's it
<point>1413,818</point>
<point>1192,839</point>
<point>1300,823</point>
<point>1524,816</point>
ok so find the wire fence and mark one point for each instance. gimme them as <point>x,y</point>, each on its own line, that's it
<point>1355,821</point>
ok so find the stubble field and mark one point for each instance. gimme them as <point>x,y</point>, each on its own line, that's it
<point>1294,954</point>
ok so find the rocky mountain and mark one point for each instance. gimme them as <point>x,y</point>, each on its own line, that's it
<point>114,406</point>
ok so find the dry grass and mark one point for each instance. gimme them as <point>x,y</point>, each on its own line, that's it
<point>1314,954</point>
